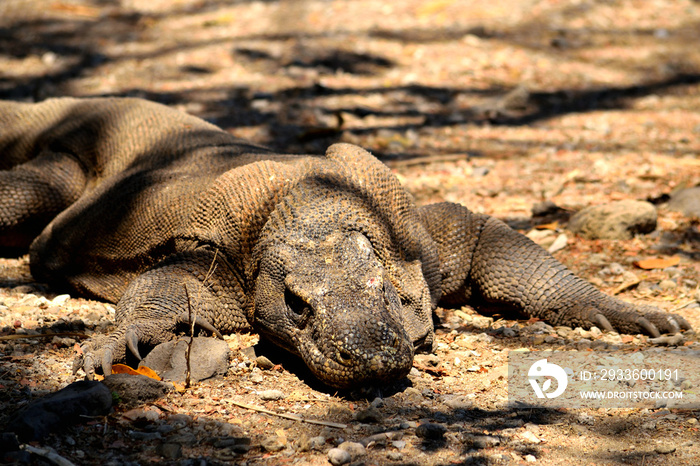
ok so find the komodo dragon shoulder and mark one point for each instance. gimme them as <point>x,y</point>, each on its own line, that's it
<point>327,256</point>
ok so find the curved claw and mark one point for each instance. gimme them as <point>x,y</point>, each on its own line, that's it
<point>603,323</point>
<point>200,321</point>
<point>107,362</point>
<point>88,367</point>
<point>132,342</point>
<point>684,324</point>
<point>648,327</point>
<point>675,328</point>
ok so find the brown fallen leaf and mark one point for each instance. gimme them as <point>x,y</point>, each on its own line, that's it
<point>143,370</point>
<point>658,263</point>
<point>547,226</point>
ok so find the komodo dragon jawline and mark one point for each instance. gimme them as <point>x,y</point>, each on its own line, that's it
<point>132,202</point>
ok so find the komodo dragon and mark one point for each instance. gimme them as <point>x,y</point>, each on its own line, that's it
<point>179,223</point>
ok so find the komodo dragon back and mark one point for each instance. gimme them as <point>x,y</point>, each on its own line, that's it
<point>326,256</point>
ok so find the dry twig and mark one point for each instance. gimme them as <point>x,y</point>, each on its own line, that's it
<point>292,417</point>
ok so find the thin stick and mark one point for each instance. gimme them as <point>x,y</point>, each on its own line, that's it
<point>292,417</point>
<point>43,335</point>
<point>48,453</point>
<point>625,286</point>
<point>208,275</point>
<point>426,160</point>
<point>191,342</point>
<point>212,267</point>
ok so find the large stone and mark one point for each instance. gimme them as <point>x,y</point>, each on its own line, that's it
<point>209,357</point>
<point>135,390</point>
<point>686,201</point>
<point>618,220</point>
<point>72,404</point>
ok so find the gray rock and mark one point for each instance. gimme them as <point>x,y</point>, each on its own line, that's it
<point>460,402</point>
<point>481,442</point>
<point>369,415</point>
<point>667,284</point>
<point>238,445</point>
<point>338,456</point>
<point>134,390</point>
<point>686,201</point>
<point>264,363</point>
<point>70,405</point>
<point>209,357</point>
<point>271,395</point>
<point>664,449</point>
<point>355,449</point>
<point>413,395</point>
<point>273,443</point>
<point>431,431</point>
<point>618,220</point>
<point>428,360</point>
<point>169,451</point>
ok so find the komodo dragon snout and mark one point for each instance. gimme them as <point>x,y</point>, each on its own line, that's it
<point>330,301</point>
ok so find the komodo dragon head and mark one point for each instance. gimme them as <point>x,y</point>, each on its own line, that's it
<point>328,290</point>
<point>331,301</point>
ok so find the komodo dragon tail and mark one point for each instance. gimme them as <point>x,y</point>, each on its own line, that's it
<point>483,261</point>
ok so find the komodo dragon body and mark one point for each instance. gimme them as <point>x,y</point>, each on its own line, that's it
<point>327,256</point>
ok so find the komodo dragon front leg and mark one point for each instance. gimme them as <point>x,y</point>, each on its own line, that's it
<point>484,261</point>
<point>195,287</point>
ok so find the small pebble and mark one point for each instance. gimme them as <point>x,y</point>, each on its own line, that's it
<point>664,449</point>
<point>273,443</point>
<point>317,443</point>
<point>481,442</point>
<point>355,449</point>
<point>431,431</point>
<point>264,363</point>
<point>667,284</point>
<point>399,444</point>
<point>338,456</point>
<point>369,415</point>
<point>271,395</point>
<point>530,437</point>
<point>169,450</point>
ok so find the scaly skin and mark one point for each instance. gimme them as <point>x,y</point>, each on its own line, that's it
<point>327,256</point>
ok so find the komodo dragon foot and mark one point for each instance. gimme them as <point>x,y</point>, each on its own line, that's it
<point>104,350</point>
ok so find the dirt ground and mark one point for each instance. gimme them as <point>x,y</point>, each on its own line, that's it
<point>496,104</point>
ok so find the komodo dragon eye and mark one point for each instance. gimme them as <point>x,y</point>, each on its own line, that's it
<point>299,310</point>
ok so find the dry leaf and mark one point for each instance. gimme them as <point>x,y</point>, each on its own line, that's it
<point>547,226</point>
<point>143,370</point>
<point>123,369</point>
<point>148,372</point>
<point>658,263</point>
<point>179,387</point>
